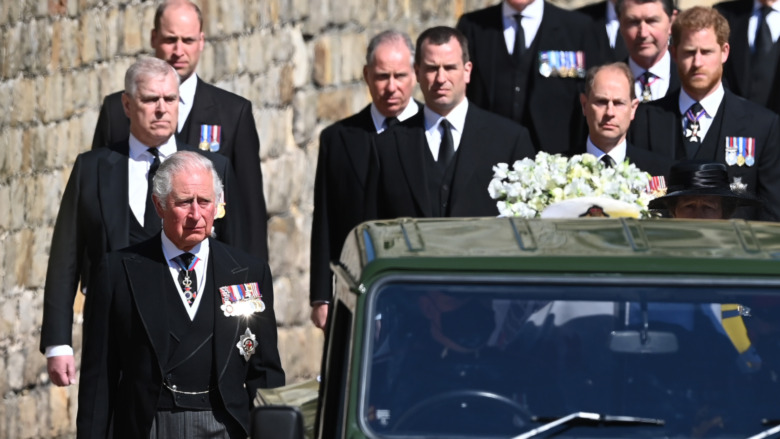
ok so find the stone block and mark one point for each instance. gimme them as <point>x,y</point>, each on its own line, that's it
<point>8,316</point>
<point>132,40</point>
<point>34,141</point>
<point>69,49</point>
<point>23,101</point>
<point>15,368</point>
<point>339,103</point>
<point>232,16</point>
<point>50,98</point>
<point>323,62</point>
<point>11,152</point>
<point>291,301</point>
<point>304,116</point>
<point>86,38</point>
<point>352,49</point>
<point>4,389</point>
<point>23,258</point>
<point>29,46</point>
<point>59,408</point>
<point>110,37</point>
<point>40,258</point>
<point>77,137</point>
<point>5,217</point>
<point>28,415</point>
<point>226,58</point>
<point>273,127</point>
<point>302,68</point>
<point>206,63</point>
<point>301,352</point>
<point>12,54</point>
<point>282,188</point>
<point>17,205</point>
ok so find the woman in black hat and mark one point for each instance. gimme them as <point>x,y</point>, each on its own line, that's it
<point>701,190</point>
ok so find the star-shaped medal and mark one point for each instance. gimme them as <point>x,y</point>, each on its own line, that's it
<point>247,344</point>
<point>738,186</point>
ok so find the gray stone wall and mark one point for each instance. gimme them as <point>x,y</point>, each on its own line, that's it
<point>298,61</point>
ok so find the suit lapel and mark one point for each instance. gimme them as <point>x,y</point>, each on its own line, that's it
<point>412,147</point>
<point>357,144</point>
<point>665,127</point>
<point>227,271</point>
<point>149,277</point>
<point>469,155</point>
<point>113,195</point>
<point>731,123</point>
<point>202,110</point>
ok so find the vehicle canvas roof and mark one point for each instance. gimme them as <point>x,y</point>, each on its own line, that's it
<point>586,245</point>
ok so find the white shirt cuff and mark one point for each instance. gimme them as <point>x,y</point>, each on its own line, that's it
<point>58,350</point>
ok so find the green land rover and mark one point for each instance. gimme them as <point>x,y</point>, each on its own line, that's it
<point>512,328</point>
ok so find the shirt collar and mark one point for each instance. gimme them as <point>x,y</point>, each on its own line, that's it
<point>137,149</point>
<point>709,103</point>
<point>757,6</point>
<point>662,68</point>
<point>618,153</point>
<point>170,251</point>
<point>533,10</point>
<point>379,119</point>
<point>611,13</point>
<point>187,89</point>
<point>456,118</point>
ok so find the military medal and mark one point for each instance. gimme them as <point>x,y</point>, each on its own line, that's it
<point>216,131</point>
<point>750,151</point>
<point>731,151</point>
<point>241,300</point>
<point>247,344</point>
<point>581,64</point>
<point>186,283</point>
<point>544,64</point>
<point>205,135</point>
<point>692,132</point>
<point>738,186</point>
<point>740,151</point>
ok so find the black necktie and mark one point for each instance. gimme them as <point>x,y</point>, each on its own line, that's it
<point>646,79</point>
<point>763,42</point>
<point>151,220</point>
<point>692,134</point>
<point>608,161</point>
<point>447,146</point>
<point>519,47</point>
<point>187,277</point>
<point>391,122</point>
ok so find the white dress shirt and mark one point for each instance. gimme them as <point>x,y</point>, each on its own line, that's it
<point>710,104</point>
<point>457,120</point>
<point>201,251</point>
<point>618,153</point>
<point>379,120</point>
<point>772,20</point>
<point>612,24</point>
<point>662,71</point>
<point>140,160</point>
<point>186,97</point>
<point>531,20</point>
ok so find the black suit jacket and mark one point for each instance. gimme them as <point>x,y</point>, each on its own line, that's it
<point>598,13</point>
<point>339,193</point>
<point>126,338</point>
<point>552,113</point>
<point>487,139</point>
<point>658,127</point>
<point>239,143</point>
<point>736,71</point>
<point>94,218</point>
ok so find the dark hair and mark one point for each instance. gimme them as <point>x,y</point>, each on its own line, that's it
<point>668,5</point>
<point>164,5</point>
<point>698,18</point>
<point>388,36</point>
<point>441,35</point>
<point>622,67</point>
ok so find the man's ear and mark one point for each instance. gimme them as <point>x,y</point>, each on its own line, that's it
<point>157,206</point>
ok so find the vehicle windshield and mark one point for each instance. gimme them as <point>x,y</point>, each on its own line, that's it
<point>465,359</point>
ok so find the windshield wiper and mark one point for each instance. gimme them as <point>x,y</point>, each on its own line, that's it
<point>770,432</point>
<point>590,418</point>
